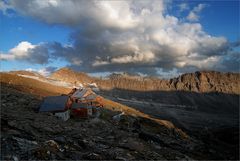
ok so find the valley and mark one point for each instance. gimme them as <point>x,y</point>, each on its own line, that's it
<point>161,124</point>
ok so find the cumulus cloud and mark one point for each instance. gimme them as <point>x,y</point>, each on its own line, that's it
<point>37,54</point>
<point>135,36</point>
<point>75,12</point>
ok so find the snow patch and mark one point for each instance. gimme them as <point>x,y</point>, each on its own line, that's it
<point>50,81</point>
<point>55,82</point>
<point>29,76</point>
<point>92,85</point>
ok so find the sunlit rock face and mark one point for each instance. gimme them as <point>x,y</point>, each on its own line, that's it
<point>204,81</point>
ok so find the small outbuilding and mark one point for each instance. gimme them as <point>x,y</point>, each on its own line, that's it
<point>58,105</point>
<point>81,110</point>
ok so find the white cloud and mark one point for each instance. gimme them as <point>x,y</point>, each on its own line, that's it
<point>99,63</point>
<point>70,12</point>
<point>30,69</point>
<point>6,56</point>
<point>28,52</point>
<point>136,58</point>
<point>19,51</point>
<point>44,72</point>
<point>125,35</point>
<point>169,74</point>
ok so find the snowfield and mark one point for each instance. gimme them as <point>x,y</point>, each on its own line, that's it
<point>93,86</point>
<point>50,81</point>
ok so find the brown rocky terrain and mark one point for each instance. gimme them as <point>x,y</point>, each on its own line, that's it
<point>204,81</point>
<point>184,118</point>
<point>29,73</point>
<point>29,135</point>
<point>205,104</point>
<point>68,75</point>
<point>31,85</point>
<point>41,89</point>
<point>208,81</point>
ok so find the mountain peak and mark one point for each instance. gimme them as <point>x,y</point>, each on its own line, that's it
<point>71,76</point>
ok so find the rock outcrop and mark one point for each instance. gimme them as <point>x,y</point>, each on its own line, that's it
<point>68,75</point>
<point>208,82</point>
<point>202,82</point>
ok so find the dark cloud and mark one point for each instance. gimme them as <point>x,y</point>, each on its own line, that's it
<point>231,62</point>
<point>38,55</point>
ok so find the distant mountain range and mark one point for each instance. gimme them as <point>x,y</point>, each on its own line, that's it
<point>203,81</point>
<point>203,106</point>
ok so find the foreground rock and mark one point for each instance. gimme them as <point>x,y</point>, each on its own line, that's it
<point>28,135</point>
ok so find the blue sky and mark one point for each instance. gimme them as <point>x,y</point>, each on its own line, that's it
<point>221,18</point>
<point>17,28</point>
<point>217,19</point>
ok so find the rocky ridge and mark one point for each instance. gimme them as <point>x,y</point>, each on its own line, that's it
<point>203,82</point>
<point>67,75</point>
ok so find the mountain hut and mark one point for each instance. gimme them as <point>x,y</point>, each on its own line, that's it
<point>58,105</point>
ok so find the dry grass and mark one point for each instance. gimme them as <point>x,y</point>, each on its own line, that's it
<point>32,86</point>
